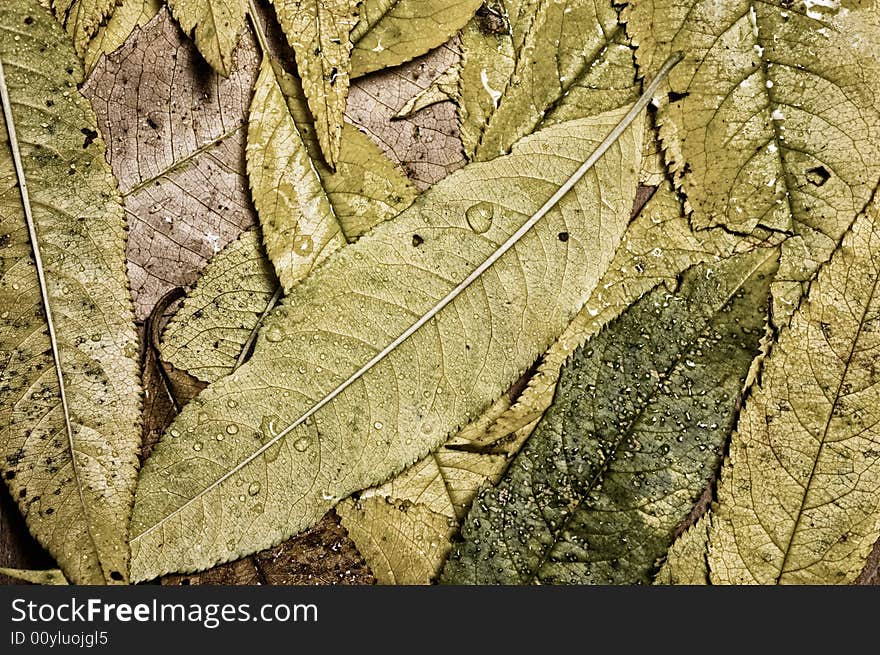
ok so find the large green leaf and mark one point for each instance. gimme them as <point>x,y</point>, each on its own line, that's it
<point>772,119</point>
<point>69,415</point>
<point>624,451</point>
<point>229,478</point>
<point>799,498</point>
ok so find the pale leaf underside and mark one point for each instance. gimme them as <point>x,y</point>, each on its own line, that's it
<point>307,348</point>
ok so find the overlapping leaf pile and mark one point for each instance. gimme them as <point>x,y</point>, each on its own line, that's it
<point>693,320</point>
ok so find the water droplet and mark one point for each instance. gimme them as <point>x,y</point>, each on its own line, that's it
<point>174,432</point>
<point>232,429</point>
<point>301,444</point>
<point>378,425</point>
<point>270,426</point>
<point>274,334</point>
<point>96,337</point>
<point>303,244</point>
<point>479,216</point>
<point>231,404</point>
<point>254,488</point>
<point>197,446</point>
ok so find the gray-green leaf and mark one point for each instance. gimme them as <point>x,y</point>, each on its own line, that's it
<point>637,427</point>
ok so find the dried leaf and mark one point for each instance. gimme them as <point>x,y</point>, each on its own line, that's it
<point>69,388</point>
<point>318,31</point>
<point>623,453</point>
<point>442,89</point>
<point>656,248</point>
<point>82,19</point>
<point>520,57</point>
<point>327,332</point>
<point>48,577</point>
<point>298,224</point>
<point>404,528</point>
<point>220,317</point>
<point>128,15</point>
<point>426,145</point>
<point>798,498</point>
<point>686,562</point>
<point>762,124</point>
<point>417,556</point>
<point>321,555</point>
<point>214,25</point>
<point>392,32</point>
<point>175,137</point>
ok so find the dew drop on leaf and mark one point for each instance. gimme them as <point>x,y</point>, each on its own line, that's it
<point>479,216</point>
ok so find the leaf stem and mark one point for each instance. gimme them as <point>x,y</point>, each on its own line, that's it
<point>262,39</point>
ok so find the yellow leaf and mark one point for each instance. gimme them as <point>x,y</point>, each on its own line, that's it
<point>799,497</point>
<point>69,385</point>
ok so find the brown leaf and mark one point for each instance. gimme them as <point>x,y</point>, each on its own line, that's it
<point>428,144</point>
<point>175,140</point>
<point>321,555</point>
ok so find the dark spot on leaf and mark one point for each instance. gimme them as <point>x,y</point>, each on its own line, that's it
<point>563,236</point>
<point>116,575</point>
<point>152,124</point>
<point>90,135</point>
<point>417,241</point>
<point>674,96</point>
<point>50,511</point>
<point>491,21</point>
<point>818,175</point>
<point>28,20</point>
<point>9,475</point>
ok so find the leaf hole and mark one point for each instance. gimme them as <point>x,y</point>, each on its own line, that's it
<point>818,176</point>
